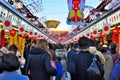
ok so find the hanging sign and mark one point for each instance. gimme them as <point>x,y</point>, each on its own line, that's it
<point>106,29</point>
<point>7,25</point>
<point>21,29</point>
<point>95,33</point>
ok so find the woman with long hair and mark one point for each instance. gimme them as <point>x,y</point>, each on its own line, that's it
<point>38,62</point>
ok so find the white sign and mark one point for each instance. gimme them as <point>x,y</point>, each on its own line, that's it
<point>3,12</point>
<point>114,18</point>
<point>106,29</point>
<point>7,23</point>
<point>101,23</point>
<point>22,29</point>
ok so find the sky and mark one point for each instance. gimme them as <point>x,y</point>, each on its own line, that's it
<point>58,10</point>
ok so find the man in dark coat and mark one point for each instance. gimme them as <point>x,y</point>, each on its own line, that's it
<point>70,57</point>
<point>39,65</point>
<point>83,59</point>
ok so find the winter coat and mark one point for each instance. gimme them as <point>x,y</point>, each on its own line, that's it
<point>83,61</point>
<point>107,66</point>
<point>0,64</point>
<point>115,74</point>
<point>39,65</point>
<point>70,57</point>
<point>71,53</point>
<point>93,50</point>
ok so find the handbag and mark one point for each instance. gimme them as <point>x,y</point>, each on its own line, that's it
<point>93,71</point>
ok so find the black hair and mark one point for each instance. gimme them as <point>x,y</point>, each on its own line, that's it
<point>13,47</point>
<point>104,49</point>
<point>10,62</point>
<point>34,42</point>
<point>74,45</point>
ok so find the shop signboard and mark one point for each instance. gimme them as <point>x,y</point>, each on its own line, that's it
<point>3,12</point>
<point>14,18</point>
<point>101,23</point>
<point>114,18</point>
<point>19,21</point>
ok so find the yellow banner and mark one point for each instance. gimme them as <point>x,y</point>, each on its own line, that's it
<point>14,40</point>
<point>21,45</point>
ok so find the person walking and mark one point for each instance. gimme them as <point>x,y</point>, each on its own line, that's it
<point>84,59</point>
<point>10,64</point>
<point>39,62</point>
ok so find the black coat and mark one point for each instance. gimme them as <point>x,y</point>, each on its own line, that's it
<point>83,61</point>
<point>40,65</point>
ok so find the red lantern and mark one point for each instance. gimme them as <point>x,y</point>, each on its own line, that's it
<point>88,34</point>
<point>101,34</point>
<point>24,35</point>
<point>116,30</point>
<point>35,33</point>
<point>12,32</point>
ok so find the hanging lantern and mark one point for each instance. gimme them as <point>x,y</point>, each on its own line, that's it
<point>88,34</point>
<point>24,35</point>
<point>12,32</point>
<point>116,31</point>
<point>101,34</point>
<point>35,33</point>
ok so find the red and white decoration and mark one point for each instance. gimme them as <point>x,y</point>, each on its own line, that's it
<point>21,29</point>
<point>106,29</point>
<point>88,35</point>
<point>30,33</point>
<point>95,33</point>
<point>35,34</point>
<point>7,23</point>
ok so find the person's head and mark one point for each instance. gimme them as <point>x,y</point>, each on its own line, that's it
<point>50,46</point>
<point>104,49</point>
<point>113,48</point>
<point>84,43</point>
<point>75,46</point>
<point>13,49</point>
<point>10,62</point>
<point>42,43</point>
<point>34,43</point>
<point>59,58</point>
<point>112,45</point>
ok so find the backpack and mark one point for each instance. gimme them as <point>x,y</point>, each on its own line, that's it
<point>59,68</point>
<point>93,71</point>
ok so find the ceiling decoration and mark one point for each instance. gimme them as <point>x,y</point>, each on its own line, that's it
<point>34,6</point>
<point>76,8</point>
<point>52,23</point>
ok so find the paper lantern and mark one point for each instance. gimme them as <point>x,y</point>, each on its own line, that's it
<point>12,32</point>
<point>24,35</point>
<point>116,31</point>
<point>88,34</point>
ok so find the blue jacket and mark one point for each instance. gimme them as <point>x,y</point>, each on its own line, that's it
<point>12,76</point>
<point>115,74</point>
<point>71,54</point>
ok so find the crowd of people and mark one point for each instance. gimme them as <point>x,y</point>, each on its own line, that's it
<point>86,60</point>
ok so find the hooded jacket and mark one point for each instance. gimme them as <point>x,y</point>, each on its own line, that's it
<point>93,50</point>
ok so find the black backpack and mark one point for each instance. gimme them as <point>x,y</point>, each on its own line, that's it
<point>93,71</point>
